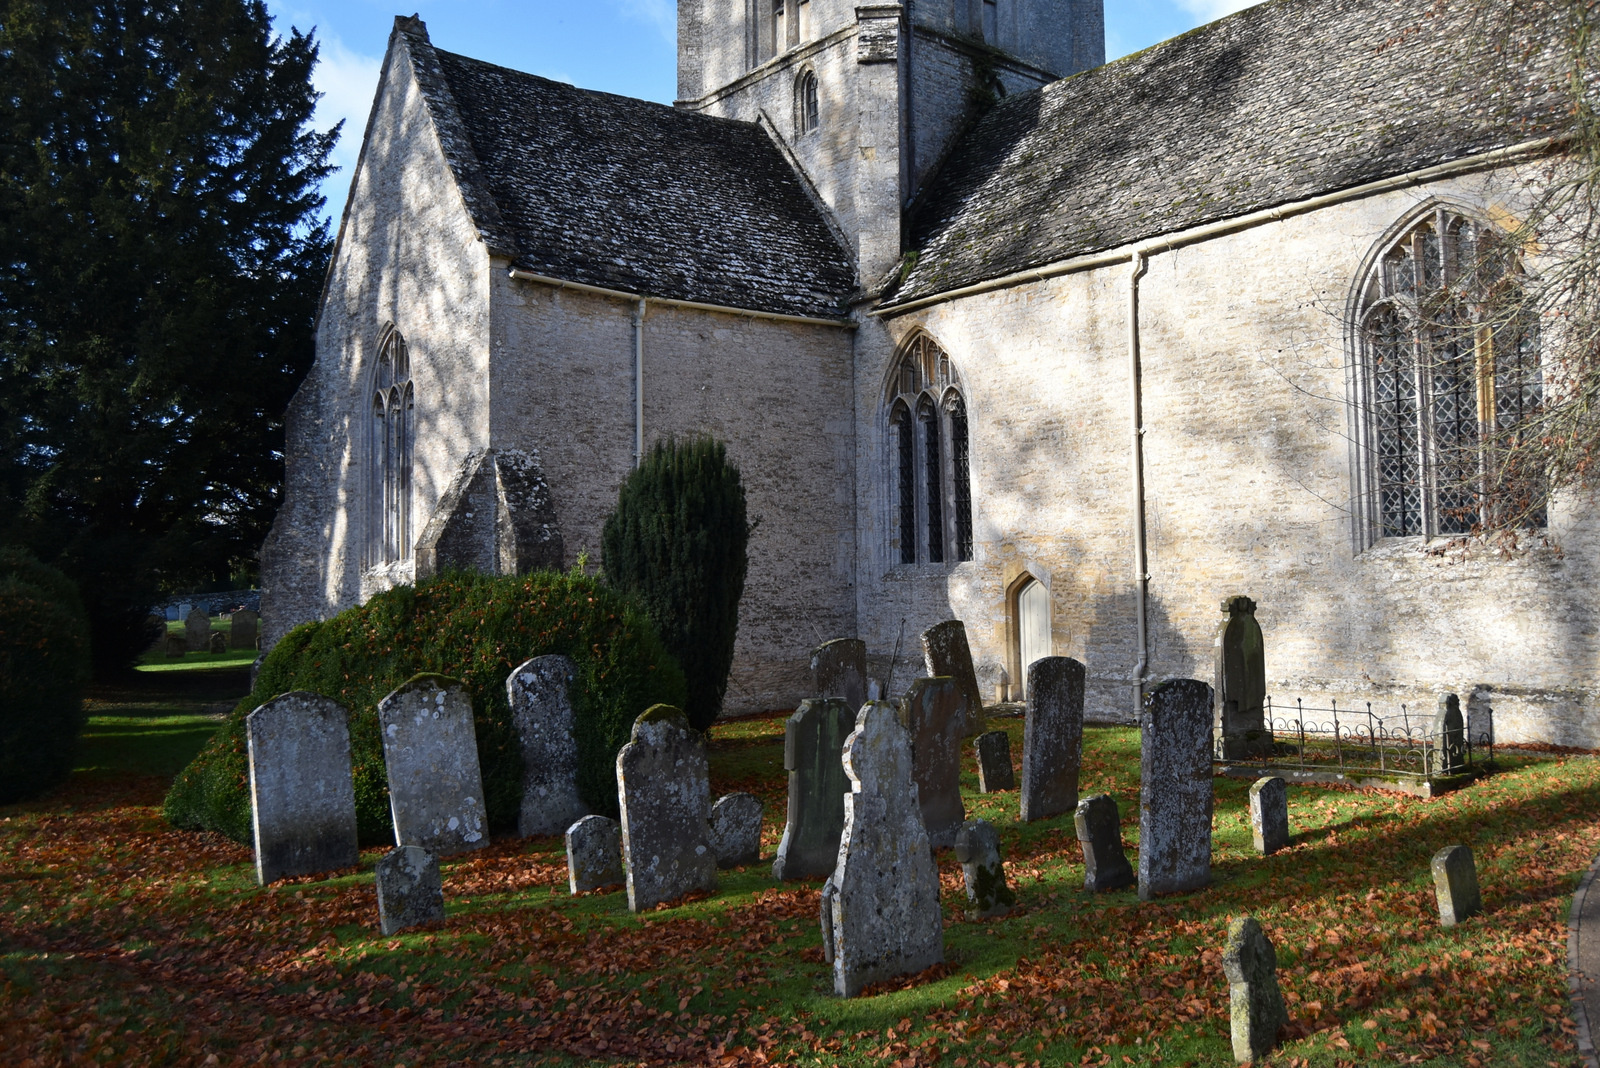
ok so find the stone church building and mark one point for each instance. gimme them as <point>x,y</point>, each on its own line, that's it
<point>997,331</point>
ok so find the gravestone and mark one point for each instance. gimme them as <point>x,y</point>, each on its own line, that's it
<point>1099,826</point>
<point>594,854</point>
<point>1052,738</point>
<point>1241,690</point>
<point>1455,884</point>
<point>839,669</point>
<point>1256,1007</point>
<point>946,654</point>
<point>219,642</point>
<point>994,762</point>
<point>1269,814</point>
<point>302,800</point>
<point>1448,738</point>
<point>934,711</point>
<point>829,893</point>
<point>813,747</point>
<point>541,711</point>
<point>177,645</point>
<point>431,750</point>
<point>410,893</point>
<point>978,850</point>
<point>1175,792</point>
<point>884,904</point>
<point>736,830</point>
<point>244,628</point>
<point>665,796</point>
<point>197,630</point>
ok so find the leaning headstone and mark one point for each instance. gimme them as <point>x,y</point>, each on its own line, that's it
<point>1175,792</point>
<point>935,713</point>
<point>1448,738</point>
<point>1241,683</point>
<point>197,630</point>
<point>177,645</point>
<point>813,746</point>
<point>541,711</point>
<point>410,893</point>
<point>885,916</point>
<point>431,750</point>
<point>736,830</point>
<point>594,854</point>
<point>829,893</point>
<point>1455,884</point>
<point>1052,738</point>
<point>946,654</point>
<point>1255,1002</point>
<point>994,762</point>
<point>302,800</point>
<point>1269,814</point>
<point>839,669</point>
<point>244,627</point>
<point>665,794</point>
<point>1099,826</point>
<point>978,850</point>
<point>219,642</point>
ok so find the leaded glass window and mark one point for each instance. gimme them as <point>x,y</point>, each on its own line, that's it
<point>930,445</point>
<point>962,487</point>
<point>807,110</point>
<point>391,445</point>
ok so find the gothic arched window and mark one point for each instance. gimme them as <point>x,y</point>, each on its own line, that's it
<point>1447,377</point>
<point>930,457</point>
<point>391,442</point>
<point>807,115</point>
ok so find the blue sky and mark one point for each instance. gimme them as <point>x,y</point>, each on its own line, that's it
<point>618,46</point>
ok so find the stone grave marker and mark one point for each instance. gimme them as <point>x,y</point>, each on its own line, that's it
<point>302,799</point>
<point>431,750</point>
<point>177,645</point>
<point>1099,826</point>
<point>978,850</point>
<point>813,747</point>
<point>1269,814</point>
<point>1455,884</point>
<point>1256,1007</point>
<point>197,630</point>
<point>884,904</point>
<point>839,669</point>
<point>1175,792</point>
<point>541,711</point>
<point>244,629</point>
<point>946,654</point>
<point>1241,690</point>
<point>665,795</point>
<point>594,854</point>
<point>219,642</point>
<point>736,830</point>
<point>829,893</point>
<point>410,893</point>
<point>1448,738</point>
<point>935,713</point>
<point>994,762</point>
<point>1052,738</point>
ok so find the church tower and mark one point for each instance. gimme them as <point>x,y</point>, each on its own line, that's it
<point>866,99</point>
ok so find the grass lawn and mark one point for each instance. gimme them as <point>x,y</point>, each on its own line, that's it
<point>125,942</point>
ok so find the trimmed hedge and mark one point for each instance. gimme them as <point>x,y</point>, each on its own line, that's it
<point>472,627</point>
<point>44,664</point>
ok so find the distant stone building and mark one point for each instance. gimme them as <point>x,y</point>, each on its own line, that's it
<point>1068,351</point>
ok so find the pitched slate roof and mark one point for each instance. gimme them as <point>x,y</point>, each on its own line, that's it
<point>627,194</point>
<point>1275,104</point>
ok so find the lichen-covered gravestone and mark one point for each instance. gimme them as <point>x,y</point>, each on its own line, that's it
<point>594,854</point>
<point>410,892</point>
<point>302,800</point>
<point>431,750</point>
<point>1099,827</point>
<point>541,711</point>
<point>946,654</point>
<point>884,895</point>
<point>1052,738</point>
<point>177,645</point>
<point>219,642</point>
<point>935,713</point>
<point>1455,884</point>
<point>978,850</point>
<point>244,627</point>
<point>736,830</point>
<point>1256,1007</point>
<point>197,630</point>
<point>1269,814</point>
<point>1241,690</point>
<point>665,795</point>
<point>1175,792</point>
<point>1448,738</point>
<point>813,749</point>
<point>839,669</point>
<point>995,773</point>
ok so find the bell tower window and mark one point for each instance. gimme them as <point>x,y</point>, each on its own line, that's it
<point>806,110</point>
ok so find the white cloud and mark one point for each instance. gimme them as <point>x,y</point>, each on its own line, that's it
<point>347,81</point>
<point>1207,10</point>
<point>662,14</point>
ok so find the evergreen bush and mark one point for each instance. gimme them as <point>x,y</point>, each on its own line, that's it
<point>676,542</point>
<point>472,627</point>
<point>44,664</point>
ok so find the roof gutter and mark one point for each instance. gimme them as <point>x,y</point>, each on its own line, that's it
<point>635,298</point>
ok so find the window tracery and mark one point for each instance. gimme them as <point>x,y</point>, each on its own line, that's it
<point>930,450</point>
<point>391,444</point>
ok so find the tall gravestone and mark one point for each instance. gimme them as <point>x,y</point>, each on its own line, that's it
<point>244,628</point>
<point>813,751</point>
<point>995,773</point>
<point>946,654</point>
<point>1256,1012</point>
<point>302,800</point>
<point>665,794</point>
<point>1269,814</point>
<point>1448,738</point>
<point>197,630</point>
<point>1241,684</point>
<point>839,669</point>
<point>539,692</point>
<point>1052,738</point>
<point>935,714</point>
<point>1175,791</point>
<point>1099,827</point>
<point>883,898</point>
<point>431,750</point>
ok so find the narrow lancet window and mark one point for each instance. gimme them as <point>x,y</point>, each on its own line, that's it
<point>930,447</point>
<point>392,444</point>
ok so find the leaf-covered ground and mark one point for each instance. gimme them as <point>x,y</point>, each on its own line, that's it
<point>125,942</point>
